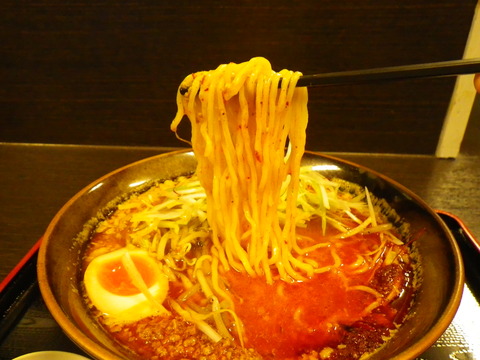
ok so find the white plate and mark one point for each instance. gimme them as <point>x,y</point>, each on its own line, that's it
<point>51,355</point>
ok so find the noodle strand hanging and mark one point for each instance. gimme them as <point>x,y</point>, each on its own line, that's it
<point>242,125</point>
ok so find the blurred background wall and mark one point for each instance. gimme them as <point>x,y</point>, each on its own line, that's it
<point>106,72</point>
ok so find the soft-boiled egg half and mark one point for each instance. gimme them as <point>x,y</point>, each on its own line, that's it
<point>126,285</point>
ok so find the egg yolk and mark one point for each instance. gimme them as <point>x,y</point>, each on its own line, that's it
<point>114,278</point>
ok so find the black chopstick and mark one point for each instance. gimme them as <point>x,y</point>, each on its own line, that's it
<point>428,70</point>
<point>18,290</point>
<point>392,73</point>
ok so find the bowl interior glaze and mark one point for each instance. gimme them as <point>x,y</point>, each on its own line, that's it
<point>59,256</point>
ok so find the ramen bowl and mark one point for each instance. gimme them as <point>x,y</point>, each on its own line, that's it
<point>59,258</point>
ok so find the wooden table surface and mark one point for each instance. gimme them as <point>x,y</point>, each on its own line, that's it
<point>36,180</point>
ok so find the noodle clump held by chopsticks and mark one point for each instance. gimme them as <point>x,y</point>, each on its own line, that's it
<point>248,135</point>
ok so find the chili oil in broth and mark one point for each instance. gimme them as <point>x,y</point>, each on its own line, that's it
<point>349,309</point>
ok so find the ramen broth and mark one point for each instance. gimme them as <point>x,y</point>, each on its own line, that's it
<point>344,311</point>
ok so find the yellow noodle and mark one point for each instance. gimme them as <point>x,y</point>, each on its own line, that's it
<point>242,122</point>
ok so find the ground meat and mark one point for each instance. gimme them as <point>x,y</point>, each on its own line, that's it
<point>387,277</point>
<point>172,338</point>
<point>358,341</point>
